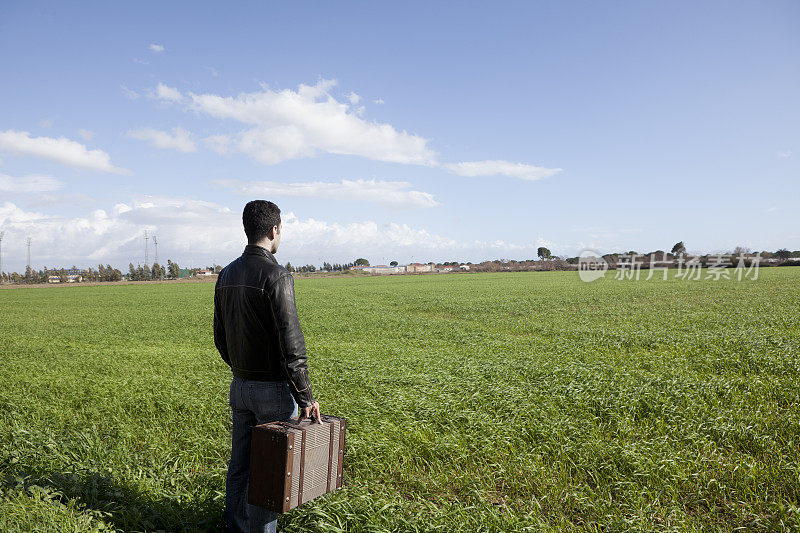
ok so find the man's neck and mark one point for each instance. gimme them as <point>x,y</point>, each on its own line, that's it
<point>267,245</point>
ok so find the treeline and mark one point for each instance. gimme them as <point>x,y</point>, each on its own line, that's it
<point>102,273</point>
<point>546,261</point>
<point>64,275</point>
<point>326,267</point>
<point>657,259</point>
<point>157,272</point>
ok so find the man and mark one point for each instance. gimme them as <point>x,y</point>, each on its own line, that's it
<point>257,333</point>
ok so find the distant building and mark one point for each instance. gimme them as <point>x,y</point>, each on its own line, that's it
<point>204,272</point>
<point>384,269</point>
<point>70,278</point>
<point>418,267</point>
<point>411,268</point>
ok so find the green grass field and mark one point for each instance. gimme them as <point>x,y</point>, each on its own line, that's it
<point>476,402</point>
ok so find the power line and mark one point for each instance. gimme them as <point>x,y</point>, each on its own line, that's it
<point>155,243</point>
<point>146,258</point>
<point>28,241</point>
<point>2,233</point>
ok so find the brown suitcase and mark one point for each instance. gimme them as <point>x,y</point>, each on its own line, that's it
<point>294,462</point>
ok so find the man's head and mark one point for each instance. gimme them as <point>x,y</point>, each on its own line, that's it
<point>262,224</point>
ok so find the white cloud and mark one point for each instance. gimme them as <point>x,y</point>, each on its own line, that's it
<point>46,123</point>
<point>75,200</point>
<point>156,48</point>
<point>378,101</point>
<point>785,154</point>
<point>498,167</point>
<point>389,193</point>
<point>311,236</point>
<point>179,139</point>
<point>86,135</point>
<point>222,144</point>
<point>140,61</point>
<point>288,124</point>
<point>197,232</point>
<point>60,150</point>
<point>170,94</point>
<point>114,235</point>
<point>29,184</point>
<point>214,72</point>
<point>130,94</point>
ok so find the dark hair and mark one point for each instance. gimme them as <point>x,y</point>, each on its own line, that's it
<point>258,217</point>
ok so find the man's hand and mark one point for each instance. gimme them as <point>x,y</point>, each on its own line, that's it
<point>312,411</point>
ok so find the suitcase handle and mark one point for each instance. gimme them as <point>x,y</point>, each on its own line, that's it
<point>297,420</point>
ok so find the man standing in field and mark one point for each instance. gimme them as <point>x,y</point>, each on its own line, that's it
<point>257,332</point>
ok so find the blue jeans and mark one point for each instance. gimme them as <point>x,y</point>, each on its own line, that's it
<point>252,403</point>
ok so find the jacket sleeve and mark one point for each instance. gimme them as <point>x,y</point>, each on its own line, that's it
<point>219,328</point>
<point>292,344</point>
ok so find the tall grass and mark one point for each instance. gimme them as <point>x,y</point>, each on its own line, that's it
<point>476,402</point>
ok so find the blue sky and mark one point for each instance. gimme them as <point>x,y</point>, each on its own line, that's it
<point>410,132</point>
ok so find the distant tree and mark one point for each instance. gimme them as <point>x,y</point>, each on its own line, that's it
<point>173,270</point>
<point>393,264</point>
<point>543,253</point>
<point>783,254</point>
<point>740,250</point>
<point>131,272</point>
<point>679,248</point>
<point>289,266</point>
<point>361,262</point>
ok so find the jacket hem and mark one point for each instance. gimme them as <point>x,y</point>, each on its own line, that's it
<point>255,375</point>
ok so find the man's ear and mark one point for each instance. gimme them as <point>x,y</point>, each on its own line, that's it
<point>273,232</point>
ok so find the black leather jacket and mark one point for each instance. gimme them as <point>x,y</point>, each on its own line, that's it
<point>256,328</point>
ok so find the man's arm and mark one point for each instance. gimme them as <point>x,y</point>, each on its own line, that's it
<point>292,343</point>
<point>219,328</point>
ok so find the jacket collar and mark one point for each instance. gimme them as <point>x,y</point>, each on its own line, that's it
<point>253,249</point>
